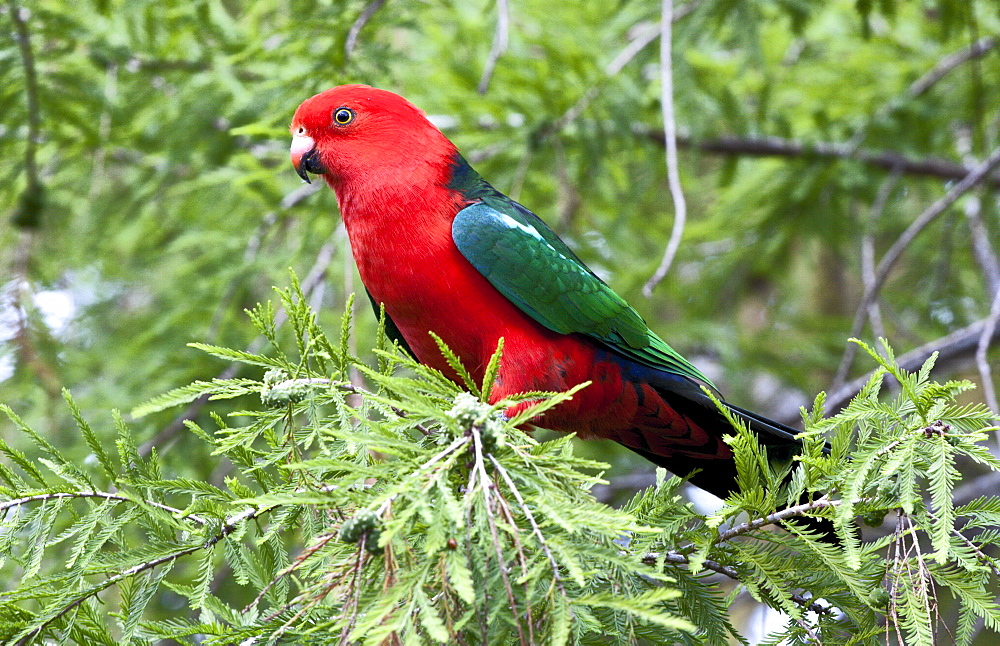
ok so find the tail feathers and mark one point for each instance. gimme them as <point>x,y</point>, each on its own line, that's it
<point>719,476</point>
<point>768,430</point>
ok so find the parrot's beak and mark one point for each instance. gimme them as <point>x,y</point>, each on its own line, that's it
<point>305,157</point>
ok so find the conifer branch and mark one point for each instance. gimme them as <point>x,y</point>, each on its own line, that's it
<point>311,282</point>
<point>478,477</point>
<point>961,343</point>
<point>534,525</point>
<point>677,558</point>
<point>232,524</point>
<point>353,591</point>
<point>317,545</point>
<point>41,497</point>
<point>980,555</point>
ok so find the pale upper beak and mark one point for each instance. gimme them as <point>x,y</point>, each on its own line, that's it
<point>305,157</point>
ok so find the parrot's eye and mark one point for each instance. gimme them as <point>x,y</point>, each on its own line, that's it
<point>301,130</point>
<point>343,116</point>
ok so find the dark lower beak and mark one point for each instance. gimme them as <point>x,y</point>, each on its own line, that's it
<point>310,163</point>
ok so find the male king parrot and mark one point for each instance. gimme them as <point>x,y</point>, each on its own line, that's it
<point>447,253</point>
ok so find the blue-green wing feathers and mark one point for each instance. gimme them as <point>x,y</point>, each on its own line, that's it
<point>528,263</point>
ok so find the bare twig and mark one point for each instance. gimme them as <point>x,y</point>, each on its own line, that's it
<point>308,552</point>
<point>982,248</point>
<point>643,35</point>
<point>500,42</point>
<point>677,558</point>
<point>973,51</point>
<point>680,558</point>
<point>868,273</point>
<point>779,147</point>
<point>961,343</point>
<point>776,517</point>
<point>919,87</point>
<point>670,143</point>
<point>985,372</point>
<point>352,34</point>
<point>899,246</point>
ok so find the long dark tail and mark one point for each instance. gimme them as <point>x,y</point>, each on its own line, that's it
<point>716,475</point>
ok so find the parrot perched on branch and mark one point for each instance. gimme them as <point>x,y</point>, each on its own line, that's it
<point>447,253</point>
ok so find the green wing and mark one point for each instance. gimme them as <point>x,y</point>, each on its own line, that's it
<point>528,263</point>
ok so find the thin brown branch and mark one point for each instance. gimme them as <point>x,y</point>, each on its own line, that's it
<point>868,275</point>
<point>677,558</point>
<point>982,249</point>
<point>776,517</point>
<point>501,39</point>
<point>947,64</point>
<point>982,345</point>
<point>891,256</point>
<point>889,160</point>
<point>103,495</point>
<point>670,143</point>
<point>359,24</point>
<point>960,344</point>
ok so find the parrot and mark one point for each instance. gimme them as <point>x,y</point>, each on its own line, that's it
<point>444,252</point>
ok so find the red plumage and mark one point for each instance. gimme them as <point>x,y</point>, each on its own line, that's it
<point>390,170</point>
